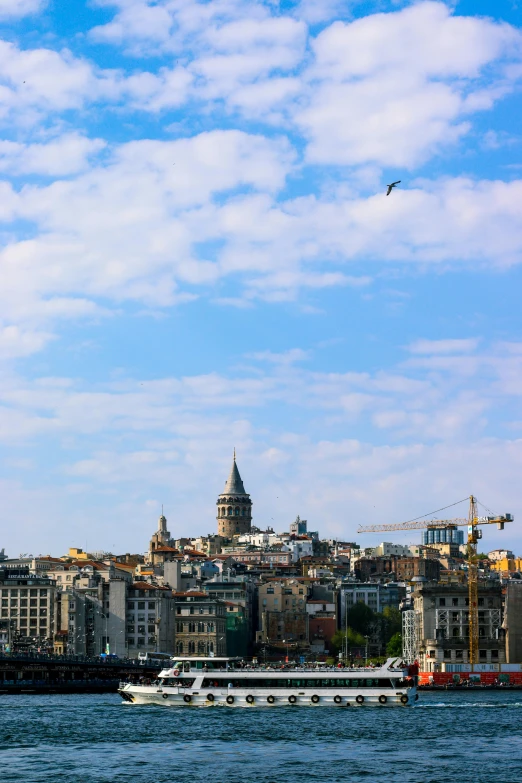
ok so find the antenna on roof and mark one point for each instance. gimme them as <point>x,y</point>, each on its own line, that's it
<point>234,453</point>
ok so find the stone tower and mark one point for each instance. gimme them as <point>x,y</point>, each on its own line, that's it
<point>234,507</point>
<point>161,537</point>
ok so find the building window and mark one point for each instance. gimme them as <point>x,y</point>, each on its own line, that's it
<point>455,633</point>
<point>442,602</point>
<point>192,627</point>
<point>179,627</point>
<point>459,654</point>
<point>152,604</point>
<point>192,648</point>
<point>141,604</point>
<point>455,601</point>
<point>483,653</point>
<point>447,654</point>
<point>179,648</point>
<point>230,511</point>
<point>494,655</point>
<point>141,641</point>
<point>151,629</point>
<point>481,602</point>
<point>201,648</point>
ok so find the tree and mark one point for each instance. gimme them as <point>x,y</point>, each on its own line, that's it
<point>353,639</point>
<point>392,622</point>
<point>394,646</point>
<point>360,617</point>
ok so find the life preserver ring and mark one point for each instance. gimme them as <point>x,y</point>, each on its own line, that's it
<point>404,699</point>
<point>315,699</point>
<point>337,699</point>
<point>270,699</point>
<point>176,673</point>
<point>359,699</point>
<point>292,699</point>
<point>187,698</point>
<point>210,697</point>
<point>230,699</point>
<point>383,699</point>
<point>165,695</point>
<point>250,699</point>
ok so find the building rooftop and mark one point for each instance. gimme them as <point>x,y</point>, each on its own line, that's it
<point>234,484</point>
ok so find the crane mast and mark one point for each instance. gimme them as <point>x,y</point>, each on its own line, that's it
<point>473,536</point>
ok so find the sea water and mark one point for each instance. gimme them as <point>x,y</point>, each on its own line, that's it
<point>448,737</point>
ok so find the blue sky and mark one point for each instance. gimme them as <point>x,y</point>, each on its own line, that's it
<point>198,254</point>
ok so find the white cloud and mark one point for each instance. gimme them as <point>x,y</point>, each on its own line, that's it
<point>11,9</point>
<point>15,343</point>
<point>395,88</point>
<point>68,154</point>
<point>443,346</point>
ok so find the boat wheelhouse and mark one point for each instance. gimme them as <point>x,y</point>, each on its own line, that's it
<point>209,682</point>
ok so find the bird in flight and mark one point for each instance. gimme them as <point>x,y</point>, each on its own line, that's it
<point>390,187</point>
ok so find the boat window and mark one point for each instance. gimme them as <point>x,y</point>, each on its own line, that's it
<point>280,682</point>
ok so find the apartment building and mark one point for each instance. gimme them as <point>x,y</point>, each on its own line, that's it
<point>27,607</point>
<point>201,624</point>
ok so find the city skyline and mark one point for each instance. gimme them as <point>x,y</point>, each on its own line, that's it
<point>199,254</point>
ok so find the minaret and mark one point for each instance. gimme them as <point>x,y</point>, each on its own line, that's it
<point>234,507</point>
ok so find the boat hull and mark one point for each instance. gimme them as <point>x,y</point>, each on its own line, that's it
<point>183,697</point>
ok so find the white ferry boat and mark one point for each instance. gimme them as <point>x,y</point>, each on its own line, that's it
<point>229,682</point>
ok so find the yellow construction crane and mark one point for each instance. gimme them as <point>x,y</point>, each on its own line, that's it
<point>473,521</point>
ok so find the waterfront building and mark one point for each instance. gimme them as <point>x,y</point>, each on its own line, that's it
<point>385,549</point>
<point>299,527</point>
<point>321,608</point>
<point>449,534</point>
<point>27,607</point>
<point>238,630</point>
<point>282,611</point>
<point>91,606</point>
<point>234,506</point>
<point>401,569</point>
<point>501,554</point>
<point>442,624</point>
<point>373,594</point>
<point>150,619</point>
<point>508,564</point>
<point>513,621</point>
<point>200,624</point>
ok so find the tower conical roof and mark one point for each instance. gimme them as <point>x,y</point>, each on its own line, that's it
<point>234,483</point>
